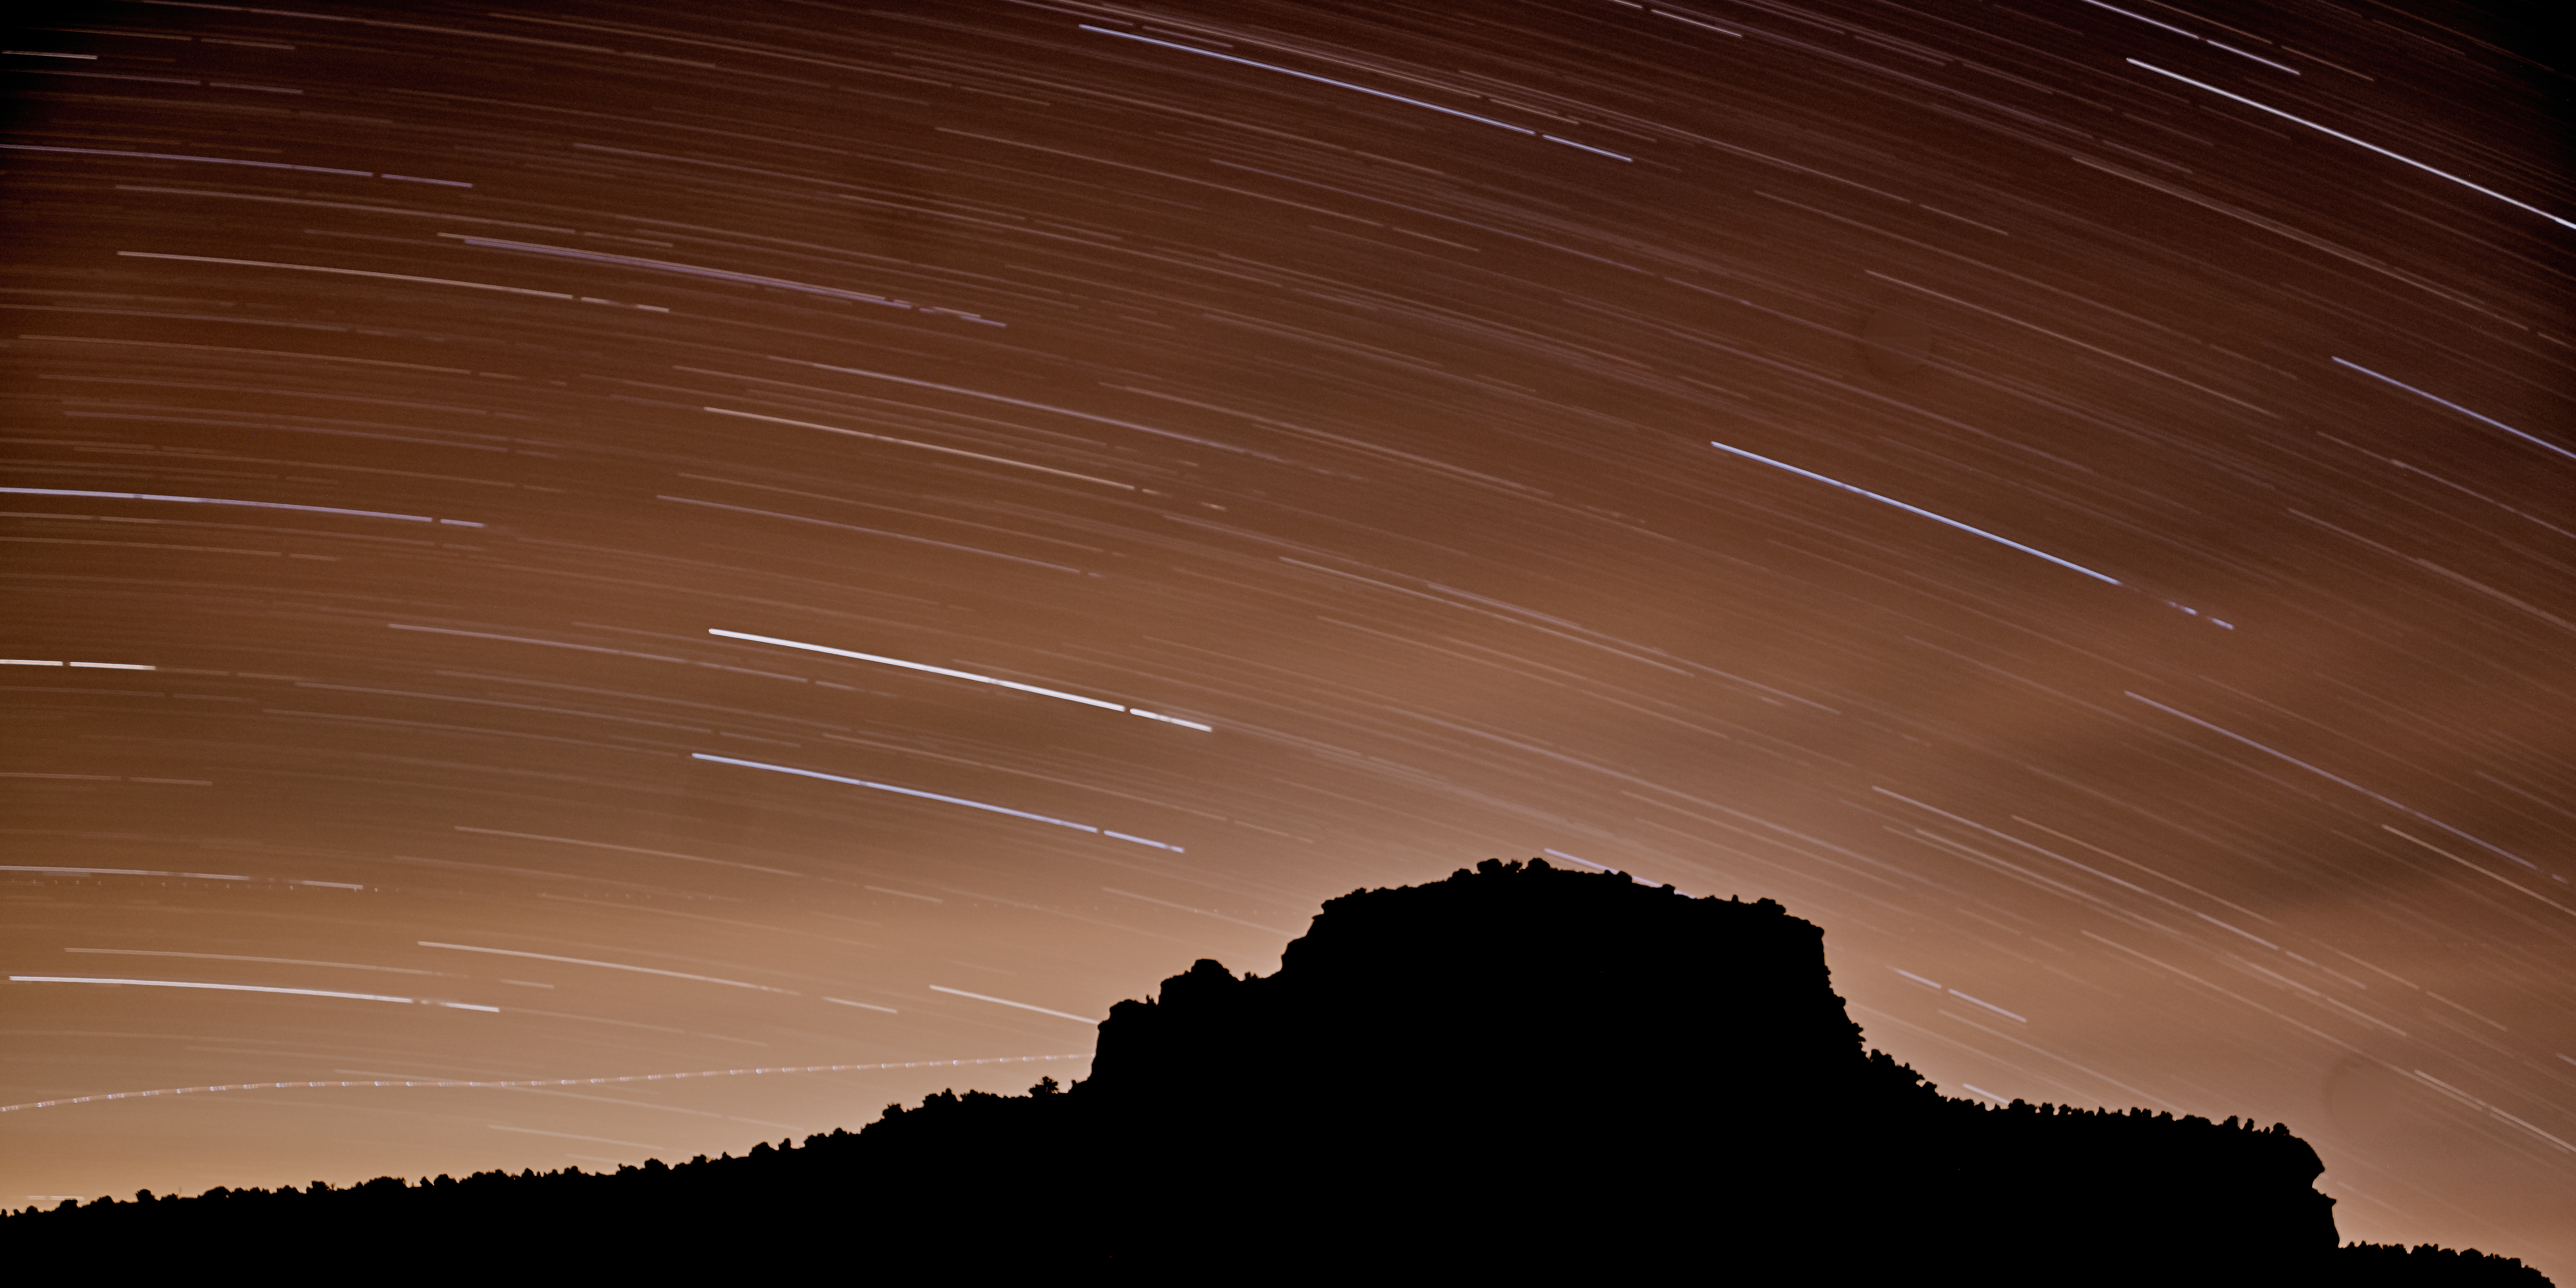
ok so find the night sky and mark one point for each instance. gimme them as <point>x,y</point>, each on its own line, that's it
<point>587,541</point>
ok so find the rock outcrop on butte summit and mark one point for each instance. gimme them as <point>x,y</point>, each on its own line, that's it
<point>1522,1066</point>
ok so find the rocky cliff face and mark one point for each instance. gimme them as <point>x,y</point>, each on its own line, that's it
<point>1550,979</point>
<point>1516,1074</point>
<point>1520,1035</point>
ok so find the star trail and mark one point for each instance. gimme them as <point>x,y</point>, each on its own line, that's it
<point>561,557</point>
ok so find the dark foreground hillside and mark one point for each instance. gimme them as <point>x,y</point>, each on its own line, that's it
<point>1519,1073</point>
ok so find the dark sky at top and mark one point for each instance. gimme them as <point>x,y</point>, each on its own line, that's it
<point>581,540</point>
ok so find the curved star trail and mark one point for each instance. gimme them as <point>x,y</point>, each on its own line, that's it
<point>452,448</point>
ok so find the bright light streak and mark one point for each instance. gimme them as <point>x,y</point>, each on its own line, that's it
<point>960,675</point>
<point>123,872</point>
<point>2528,438</point>
<point>522,639</point>
<point>920,666</point>
<point>2356,143</point>
<point>178,156</point>
<point>349,272</point>
<point>248,988</point>
<point>690,270</point>
<point>2479,870</point>
<point>565,1135</point>
<point>1320,80</point>
<point>1917,510</point>
<point>584,961</point>
<point>2345,782</point>
<point>273,961</point>
<point>901,791</point>
<point>927,447</point>
<point>148,872</point>
<point>2143,18</point>
<point>547,1082</point>
<point>1004,1001</point>
<point>627,849</point>
<point>1186,724</point>
<point>95,666</point>
<point>931,796</point>
<point>1975,1002</point>
<point>258,165</point>
<point>1586,147</point>
<point>212,500</point>
<point>2256,57</point>
<point>1033,406</point>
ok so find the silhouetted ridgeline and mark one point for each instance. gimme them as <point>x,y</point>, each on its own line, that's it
<point>1517,1072</point>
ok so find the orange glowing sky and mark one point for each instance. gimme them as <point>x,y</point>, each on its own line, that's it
<point>588,540</point>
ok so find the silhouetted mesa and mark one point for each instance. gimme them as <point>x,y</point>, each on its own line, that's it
<point>1517,1072</point>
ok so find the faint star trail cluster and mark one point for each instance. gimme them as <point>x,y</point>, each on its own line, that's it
<point>562,544</point>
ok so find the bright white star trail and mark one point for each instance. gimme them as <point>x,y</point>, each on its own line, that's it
<point>808,537</point>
